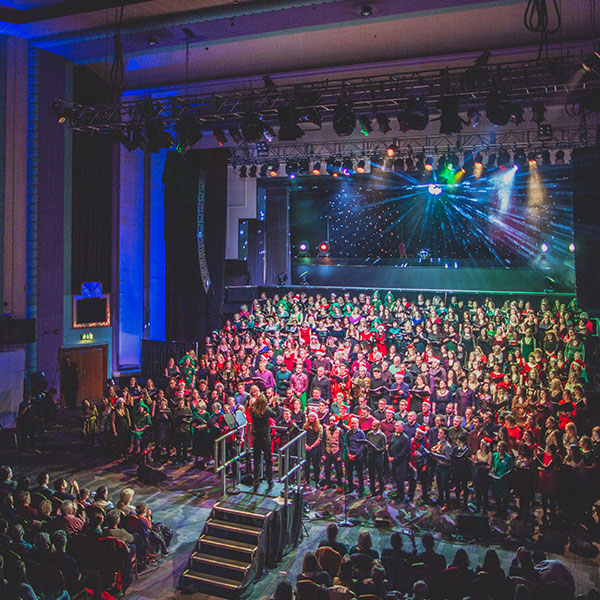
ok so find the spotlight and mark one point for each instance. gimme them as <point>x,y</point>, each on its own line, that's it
<point>132,139</point>
<point>269,133</point>
<point>474,117</point>
<point>391,150</point>
<point>453,162</point>
<point>503,158</point>
<point>434,189</point>
<point>291,169</point>
<point>592,63</point>
<point>288,123</point>
<point>282,278</point>
<point>409,165</point>
<point>415,115</point>
<point>360,167</point>
<point>376,163</point>
<point>498,108</point>
<point>366,10</point>
<point>539,112</point>
<point>450,121</point>
<point>60,112</point>
<point>252,171</point>
<point>188,133</point>
<point>532,161</point>
<point>264,170</point>
<point>324,248</point>
<point>303,247</point>
<point>243,172</point>
<point>491,161</point>
<point>399,165</point>
<point>383,122</point>
<point>219,135</point>
<point>344,118</point>
<point>516,114</point>
<point>273,169</point>
<point>478,166</point>
<point>571,247</point>
<point>546,162</point>
<point>544,247</point>
<point>478,160</point>
<point>155,136</point>
<point>316,170</point>
<point>303,166</point>
<point>333,167</point>
<point>235,135</point>
<point>420,166</point>
<point>519,158</point>
<point>252,127</point>
<point>559,157</point>
<point>365,125</point>
<point>347,167</point>
<point>428,166</point>
<point>269,84</point>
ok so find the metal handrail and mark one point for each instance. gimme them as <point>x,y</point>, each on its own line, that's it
<point>220,453</point>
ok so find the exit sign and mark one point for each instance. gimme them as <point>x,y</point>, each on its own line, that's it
<point>87,337</point>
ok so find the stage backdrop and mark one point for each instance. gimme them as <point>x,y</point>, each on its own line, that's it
<point>192,313</point>
<point>12,367</point>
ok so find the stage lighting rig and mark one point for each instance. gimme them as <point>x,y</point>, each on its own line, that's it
<point>415,115</point>
<point>399,165</point>
<point>360,166</point>
<point>323,249</point>
<point>243,172</point>
<point>498,108</point>
<point>539,112</point>
<point>235,135</point>
<point>316,170</point>
<point>344,118</point>
<point>269,133</point>
<point>365,125</point>
<point>252,127</point>
<point>391,150</point>
<point>347,167</point>
<point>559,157</point>
<point>450,121</point>
<point>252,171</point>
<point>219,135</point>
<point>428,166</point>
<point>273,169</point>
<point>383,122</point>
<point>188,133</point>
<point>291,169</point>
<point>474,117</point>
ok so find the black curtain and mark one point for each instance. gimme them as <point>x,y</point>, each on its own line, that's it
<point>91,191</point>
<point>191,314</point>
<point>155,356</point>
<point>276,234</point>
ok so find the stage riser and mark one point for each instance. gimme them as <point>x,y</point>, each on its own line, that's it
<point>225,552</point>
<point>219,570</point>
<point>241,519</point>
<point>238,536</point>
<point>431,278</point>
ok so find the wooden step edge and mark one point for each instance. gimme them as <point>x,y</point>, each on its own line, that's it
<point>213,580</point>
<point>219,560</point>
<point>249,529</point>
<point>246,513</point>
<point>233,544</point>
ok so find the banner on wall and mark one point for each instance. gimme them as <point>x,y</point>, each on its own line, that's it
<point>12,367</point>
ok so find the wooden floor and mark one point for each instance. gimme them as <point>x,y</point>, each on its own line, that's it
<point>184,502</point>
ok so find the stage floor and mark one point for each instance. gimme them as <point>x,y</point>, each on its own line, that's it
<point>185,500</point>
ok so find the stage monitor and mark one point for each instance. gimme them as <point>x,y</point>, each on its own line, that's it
<point>91,312</point>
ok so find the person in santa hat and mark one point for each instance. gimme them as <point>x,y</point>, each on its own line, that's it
<point>418,463</point>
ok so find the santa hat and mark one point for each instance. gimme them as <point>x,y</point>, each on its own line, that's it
<point>426,403</point>
<point>334,419</point>
<point>488,441</point>
<point>422,430</point>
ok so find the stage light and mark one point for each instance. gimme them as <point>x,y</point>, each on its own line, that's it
<point>347,167</point>
<point>60,112</point>
<point>516,114</point>
<point>478,161</point>
<point>291,169</point>
<point>269,133</point>
<point>399,165</point>
<point>428,166</point>
<point>273,169</point>
<point>235,135</point>
<point>453,161</point>
<point>546,162</point>
<point>571,247</point>
<point>491,161</point>
<point>434,189</point>
<point>592,63</point>
<point>252,127</point>
<point>503,158</point>
<point>376,163</point>
<point>498,108</point>
<point>450,121</point>
<point>366,10</point>
<point>155,136</point>
<point>409,164</point>
<point>219,135</point>
<point>252,171</point>
<point>288,123</point>
<point>559,157</point>
<point>264,170</point>
<point>316,170</point>
<point>360,166</point>
<point>344,118</point>
<point>303,247</point>
<point>132,139</point>
<point>243,172</point>
<point>383,122</point>
<point>391,150</point>
<point>415,115</point>
<point>539,112</point>
<point>188,133</point>
<point>544,247</point>
<point>420,166</point>
<point>365,125</point>
<point>531,160</point>
<point>323,248</point>
<point>519,158</point>
<point>333,167</point>
<point>303,166</point>
<point>269,84</point>
<point>478,166</point>
<point>474,117</point>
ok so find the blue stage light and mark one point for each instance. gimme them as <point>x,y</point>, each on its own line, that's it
<point>434,190</point>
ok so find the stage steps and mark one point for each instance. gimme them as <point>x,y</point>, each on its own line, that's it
<point>229,554</point>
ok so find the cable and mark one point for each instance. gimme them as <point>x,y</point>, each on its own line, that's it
<point>117,70</point>
<point>537,20</point>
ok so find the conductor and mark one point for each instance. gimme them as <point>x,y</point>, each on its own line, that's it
<point>261,414</point>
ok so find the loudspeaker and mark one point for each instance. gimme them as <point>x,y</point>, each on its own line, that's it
<point>17,331</point>
<point>585,164</point>
<point>149,475</point>
<point>473,526</point>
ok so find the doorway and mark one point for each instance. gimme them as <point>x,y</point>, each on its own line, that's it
<point>92,364</point>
